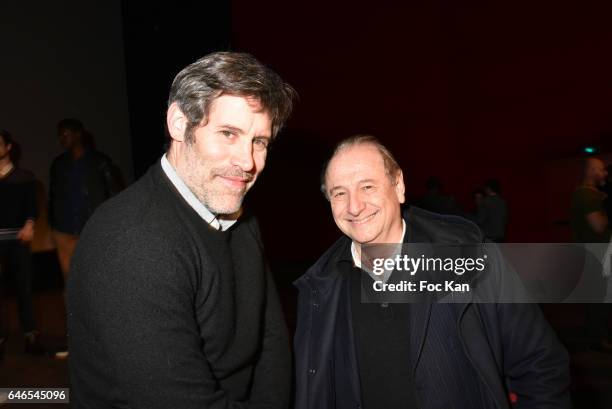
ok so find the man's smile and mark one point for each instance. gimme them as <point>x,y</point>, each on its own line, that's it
<point>363,220</point>
<point>235,181</point>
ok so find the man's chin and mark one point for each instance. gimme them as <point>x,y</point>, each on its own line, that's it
<point>225,210</point>
<point>361,238</point>
<point>228,207</point>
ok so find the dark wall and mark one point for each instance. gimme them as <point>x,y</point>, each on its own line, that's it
<point>160,39</point>
<point>63,59</point>
<point>459,90</point>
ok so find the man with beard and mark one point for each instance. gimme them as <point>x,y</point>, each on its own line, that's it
<point>383,355</point>
<point>170,301</point>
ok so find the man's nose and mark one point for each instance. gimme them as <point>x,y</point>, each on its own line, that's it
<point>243,156</point>
<point>356,204</point>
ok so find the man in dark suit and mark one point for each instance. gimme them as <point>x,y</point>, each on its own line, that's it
<point>353,354</point>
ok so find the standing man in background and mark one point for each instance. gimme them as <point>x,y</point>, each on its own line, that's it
<point>589,222</point>
<point>18,210</point>
<point>492,213</point>
<point>81,178</point>
<point>170,301</point>
<point>607,189</point>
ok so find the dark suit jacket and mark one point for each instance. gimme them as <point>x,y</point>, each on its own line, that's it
<point>511,347</point>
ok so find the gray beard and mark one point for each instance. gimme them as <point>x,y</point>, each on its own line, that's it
<point>208,199</point>
<point>214,200</point>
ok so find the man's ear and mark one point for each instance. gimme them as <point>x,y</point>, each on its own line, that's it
<point>176,122</point>
<point>400,188</point>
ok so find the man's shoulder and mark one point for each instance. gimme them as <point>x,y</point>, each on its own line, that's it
<point>441,228</point>
<point>61,158</point>
<point>136,236</point>
<point>322,269</point>
<point>144,205</point>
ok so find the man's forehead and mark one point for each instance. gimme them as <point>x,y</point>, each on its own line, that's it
<point>238,111</point>
<point>226,102</point>
<point>356,163</point>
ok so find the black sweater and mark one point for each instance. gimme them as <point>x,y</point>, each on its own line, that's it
<point>17,199</point>
<point>165,312</point>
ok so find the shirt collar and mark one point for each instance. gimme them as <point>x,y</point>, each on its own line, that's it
<point>192,200</point>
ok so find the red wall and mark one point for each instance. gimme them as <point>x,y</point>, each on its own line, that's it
<point>463,92</point>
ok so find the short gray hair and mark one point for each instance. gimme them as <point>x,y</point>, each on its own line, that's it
<point>229,73</point>
<point>391,165</point>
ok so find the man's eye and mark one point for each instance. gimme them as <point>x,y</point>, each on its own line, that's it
<point>261,143</point>
<point>338,194</point>
<point>227,134</point>
<point>368,187</point>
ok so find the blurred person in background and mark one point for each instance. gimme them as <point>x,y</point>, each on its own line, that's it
<point>18,210</point>
<point>607,189</point>
<point>477,195</point>
<point>81,178</point>
<point>588,217</point>
<point>492,213</point>
<point>435,200</point>
<point>589,223</point>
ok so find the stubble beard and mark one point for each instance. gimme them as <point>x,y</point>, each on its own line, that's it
<point>218,201</point>
<point>205,183</point>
